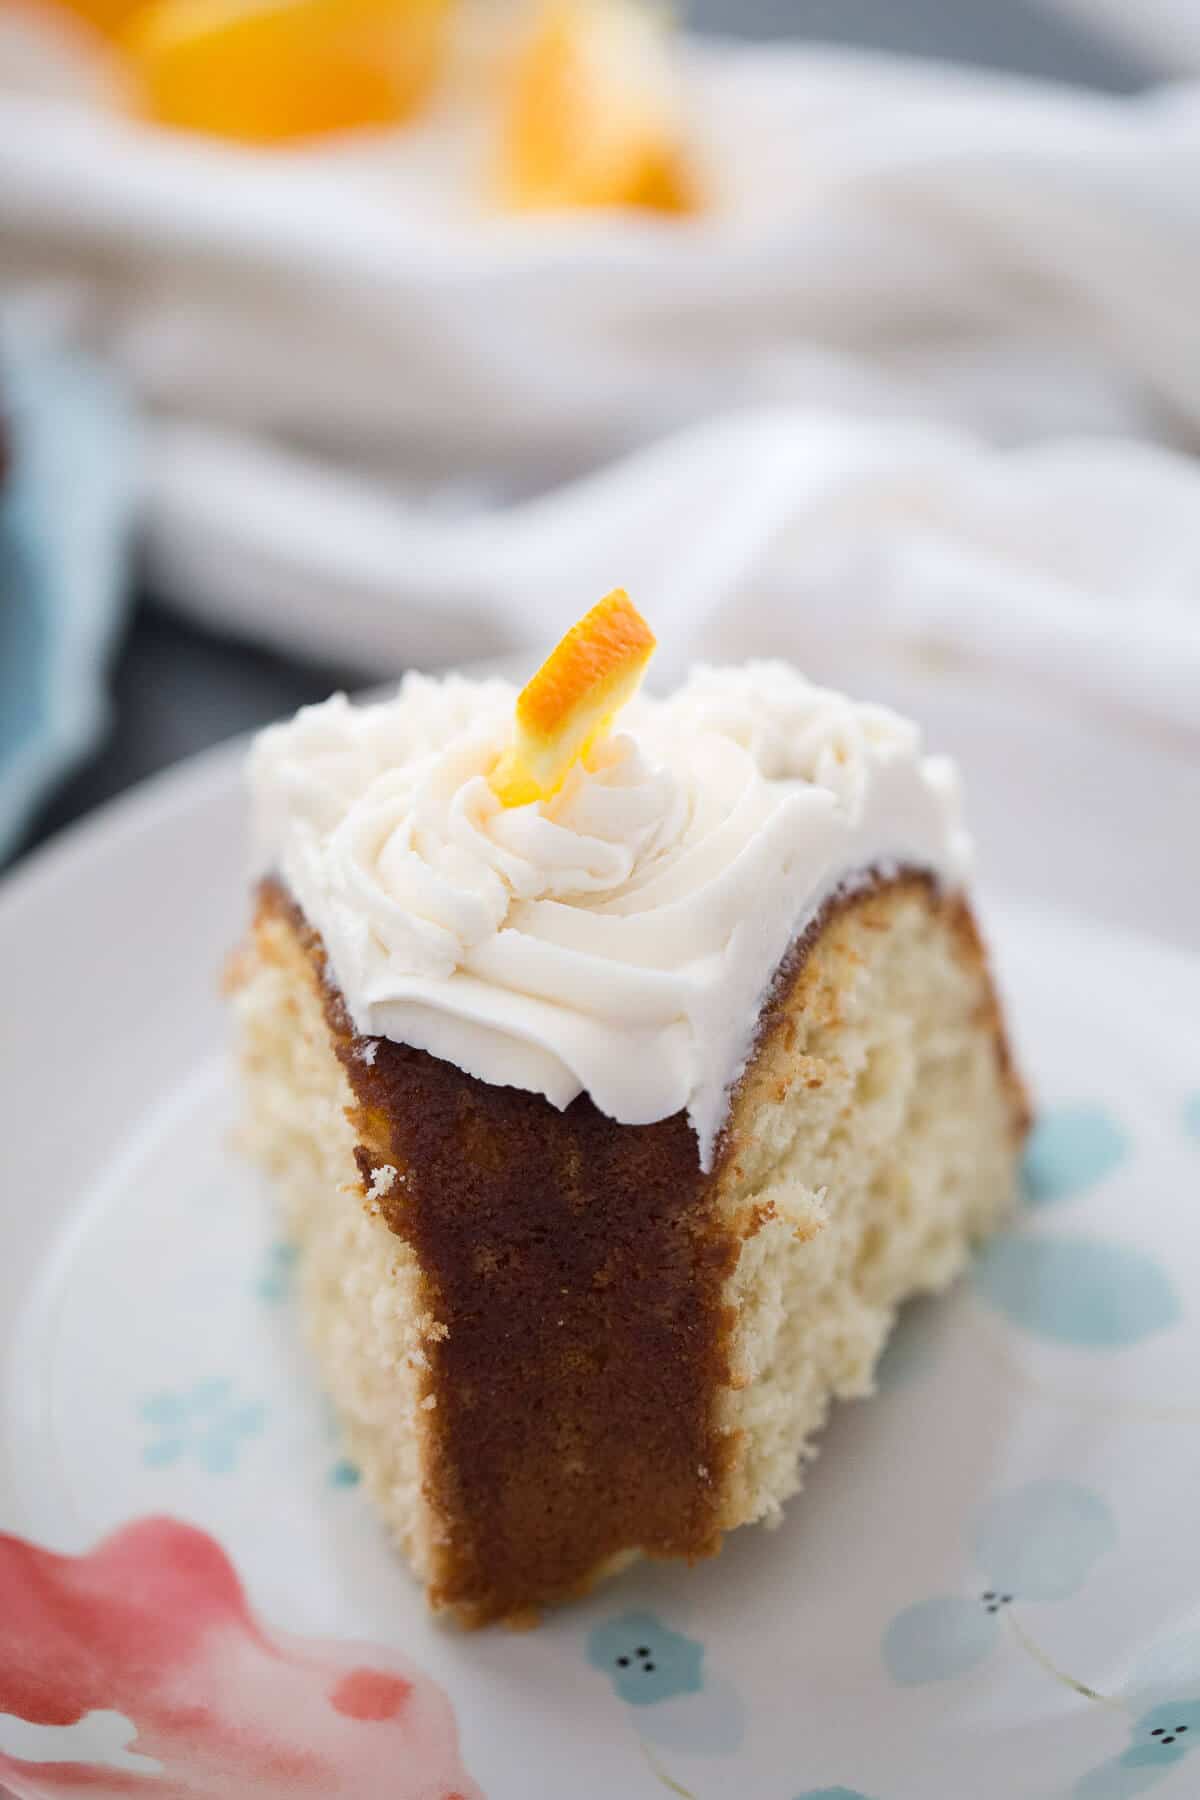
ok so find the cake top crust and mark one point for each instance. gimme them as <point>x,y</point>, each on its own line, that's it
<point>619,938</point>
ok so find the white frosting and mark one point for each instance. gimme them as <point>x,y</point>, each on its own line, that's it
<point>618,940</point>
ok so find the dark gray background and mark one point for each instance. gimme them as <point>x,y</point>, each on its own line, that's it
<point>177,689</point>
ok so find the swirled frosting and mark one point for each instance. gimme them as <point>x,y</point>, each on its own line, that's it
<point>617,940</point>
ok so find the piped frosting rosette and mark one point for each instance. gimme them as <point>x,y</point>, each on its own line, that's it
<point>619,937</point>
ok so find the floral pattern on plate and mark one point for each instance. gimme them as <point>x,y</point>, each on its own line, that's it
<point>154,1625</point>
<point>1070,1288</point>
<point>1036,1544</point>
<point>662,1676</point>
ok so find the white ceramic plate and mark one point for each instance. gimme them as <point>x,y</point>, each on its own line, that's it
<point>1036,1440</point>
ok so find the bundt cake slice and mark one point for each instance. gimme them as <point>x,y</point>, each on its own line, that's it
<point>618,1089</point>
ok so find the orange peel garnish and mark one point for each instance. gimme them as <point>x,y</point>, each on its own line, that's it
<point>572,700</point>
<point>277,71</point>
<point>591,117</point>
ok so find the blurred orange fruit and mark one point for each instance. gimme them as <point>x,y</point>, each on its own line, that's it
<point>591,116</point>
<point>273,71</point>
<point>572,700</point>
<point>106,16</point>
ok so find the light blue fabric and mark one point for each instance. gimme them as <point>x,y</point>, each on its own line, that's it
<point>65,513</point>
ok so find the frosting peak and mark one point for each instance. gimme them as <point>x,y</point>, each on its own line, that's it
<point>620,937</point>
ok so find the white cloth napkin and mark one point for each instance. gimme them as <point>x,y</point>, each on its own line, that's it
<point>353,373</point>
<point>856,548</point>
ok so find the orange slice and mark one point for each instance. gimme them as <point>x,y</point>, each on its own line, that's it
<point>574,697</point>
<point>592,116</point>
<point>274,71</point>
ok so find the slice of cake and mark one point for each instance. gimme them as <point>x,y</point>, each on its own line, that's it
<point>618,1086</point>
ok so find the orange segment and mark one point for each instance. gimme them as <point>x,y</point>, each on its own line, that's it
<point>592,116</point>
<point>273,71</point>
<point>573,699</point>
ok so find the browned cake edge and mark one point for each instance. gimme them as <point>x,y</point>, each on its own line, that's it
<point>575,1268</point>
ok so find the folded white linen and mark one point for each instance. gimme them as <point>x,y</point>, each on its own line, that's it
<point>941,239</point>
<point>352,374</point>
<point>845,544</point>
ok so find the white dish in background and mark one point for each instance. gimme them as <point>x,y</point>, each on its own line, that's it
<point>1038,1434</point>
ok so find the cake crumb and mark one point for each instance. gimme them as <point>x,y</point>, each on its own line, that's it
<point>429,1403</point>
<point>383,1180</point>
<point>367,1051</point>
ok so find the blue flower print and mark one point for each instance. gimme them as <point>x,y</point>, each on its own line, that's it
<point>1072,1289</point>
<point>1041,1541</point>
<point>833,1793</point>
<point>647,1661</point>
<point>661,1673</point>
<point>939,1638</point>
<point>1164,1735</point>
<point>1037,1543</point>
<point>1077,1290</point>
<point>204,1423</point>
<point>344,1474</point>
<point>274,1282</point>
<point>1070,1149</point>
<point>1161,1738</point>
